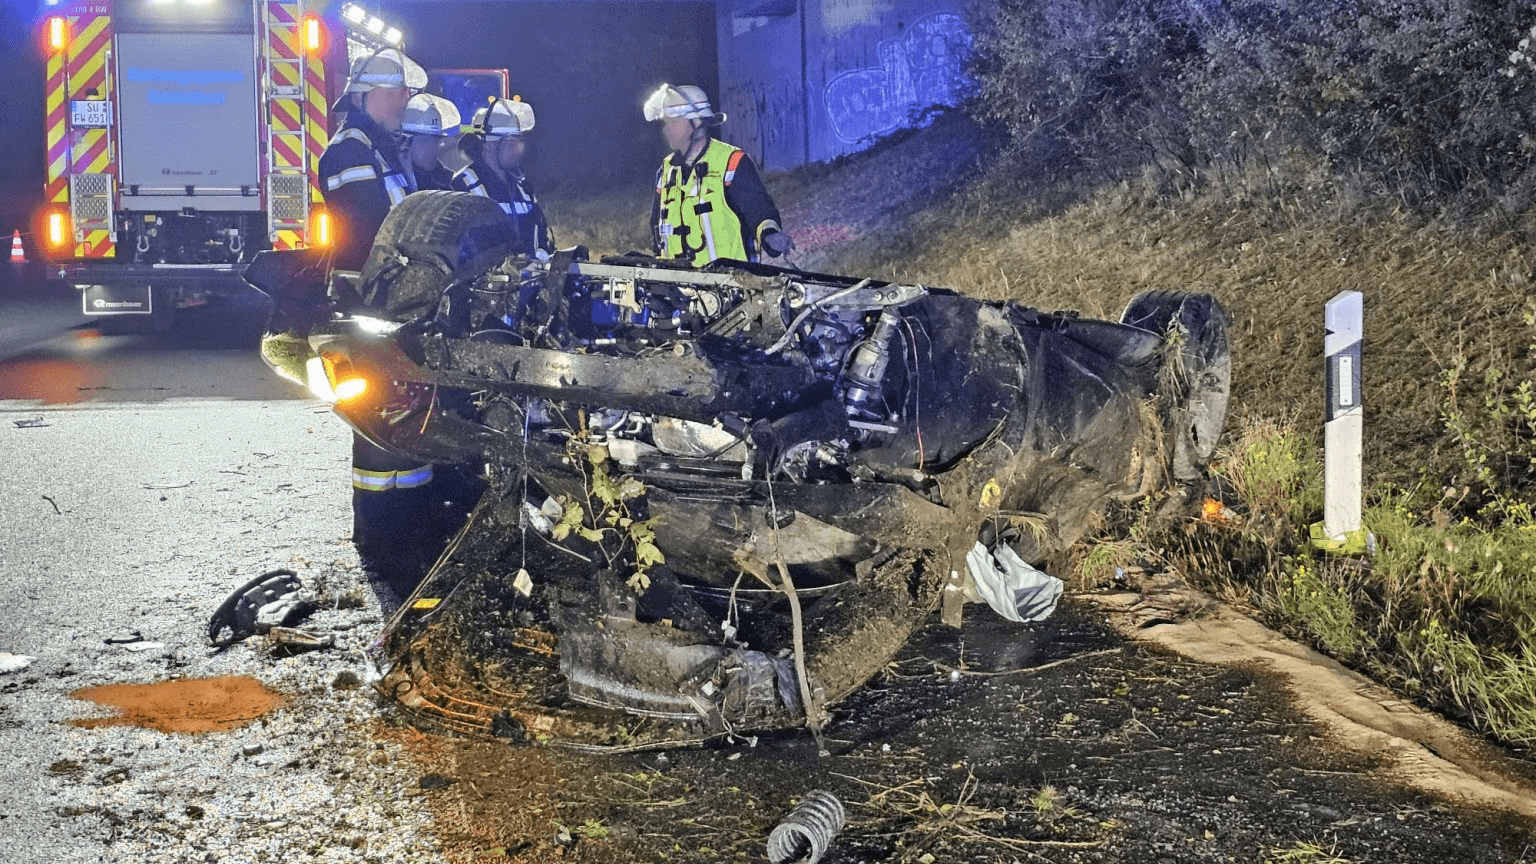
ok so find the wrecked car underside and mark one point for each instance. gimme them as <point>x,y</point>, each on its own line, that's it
<point>720,500</point>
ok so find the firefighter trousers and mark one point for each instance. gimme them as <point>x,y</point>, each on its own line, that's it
<point>403,512</point>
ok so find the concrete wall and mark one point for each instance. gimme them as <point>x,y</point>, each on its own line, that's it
<point>811,80</point>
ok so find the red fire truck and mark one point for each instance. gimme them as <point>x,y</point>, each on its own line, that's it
<point>184,136</point>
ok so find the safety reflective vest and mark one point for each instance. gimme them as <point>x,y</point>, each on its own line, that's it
<point>397,184</point>
<point>695,223</point>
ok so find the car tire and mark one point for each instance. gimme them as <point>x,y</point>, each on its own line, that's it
<point>1196,379</point>
<point>428,242</point>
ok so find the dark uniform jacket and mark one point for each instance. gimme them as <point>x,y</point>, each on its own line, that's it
<point>517,201</point>
<point>439,178</point>
<point>362,176</point>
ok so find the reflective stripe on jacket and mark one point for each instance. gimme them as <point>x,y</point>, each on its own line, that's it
<point>516,199</point>
<point>383,481</point>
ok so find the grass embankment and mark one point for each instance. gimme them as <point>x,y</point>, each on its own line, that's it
<point>1446,608</point>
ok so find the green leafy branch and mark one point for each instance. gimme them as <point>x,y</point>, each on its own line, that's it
<point>606,517</point>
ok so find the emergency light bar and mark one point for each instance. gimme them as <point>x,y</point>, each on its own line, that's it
<point>371,25</point>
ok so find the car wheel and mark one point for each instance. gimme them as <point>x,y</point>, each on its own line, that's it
<point>1196,381</point>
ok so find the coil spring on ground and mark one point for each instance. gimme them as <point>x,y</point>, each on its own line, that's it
<point>807,831</point>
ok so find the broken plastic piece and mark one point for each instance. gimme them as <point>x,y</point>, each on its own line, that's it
<point>14,662</point>
<point>295,639</point>
<point>1010,586</point>
<point>523,582</point>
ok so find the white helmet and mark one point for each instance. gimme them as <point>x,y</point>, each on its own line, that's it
<point>427,114</point>
<point>387,68</point>
<point>503,118</point>
<point>685,101</point>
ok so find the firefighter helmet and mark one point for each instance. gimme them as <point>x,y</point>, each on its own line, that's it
<point>503,118</point>
<point>684,101</point>
<point>387,68</point>
<point>427,114</point>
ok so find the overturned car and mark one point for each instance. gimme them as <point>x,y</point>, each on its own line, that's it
<point>720,500</point>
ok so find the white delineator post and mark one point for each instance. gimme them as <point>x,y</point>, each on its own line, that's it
<point>1345,421</point>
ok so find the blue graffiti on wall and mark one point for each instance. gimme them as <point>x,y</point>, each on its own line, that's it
<point>924,68</point>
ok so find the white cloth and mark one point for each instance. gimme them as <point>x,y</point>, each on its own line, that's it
<point>1010,586</point>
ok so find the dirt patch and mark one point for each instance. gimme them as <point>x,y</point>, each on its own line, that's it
<point>183,705</point>
<point>997,742</point>
<point>496,802</point>
<point>1410,744</point>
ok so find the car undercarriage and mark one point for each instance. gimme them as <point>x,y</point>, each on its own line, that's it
<point>720,500</point>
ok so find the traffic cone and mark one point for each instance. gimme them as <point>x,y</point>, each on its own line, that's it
<point>18,254</point>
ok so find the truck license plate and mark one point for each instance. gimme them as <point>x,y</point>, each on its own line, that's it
<point>90,113</point>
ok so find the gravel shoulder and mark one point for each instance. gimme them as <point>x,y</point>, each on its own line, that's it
<point>164,509</point>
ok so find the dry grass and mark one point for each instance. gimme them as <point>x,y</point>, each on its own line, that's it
<point>931,828</point>
<point>615,222</point>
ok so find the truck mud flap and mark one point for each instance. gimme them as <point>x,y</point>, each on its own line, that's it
<point>117,300</point>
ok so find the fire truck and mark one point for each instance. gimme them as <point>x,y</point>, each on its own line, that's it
<point>184,136</point>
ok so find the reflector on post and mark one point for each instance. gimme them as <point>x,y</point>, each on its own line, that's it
<point>1343,482</point>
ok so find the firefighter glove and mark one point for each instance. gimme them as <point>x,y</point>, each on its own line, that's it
<point>778,243</point>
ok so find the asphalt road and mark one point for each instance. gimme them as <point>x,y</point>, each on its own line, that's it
<point>50,354</point>
<point>147,476</point>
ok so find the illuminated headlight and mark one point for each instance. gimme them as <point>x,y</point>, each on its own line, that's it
<point>350,388</point>
<point>319,382</point>
<point>332,379</point>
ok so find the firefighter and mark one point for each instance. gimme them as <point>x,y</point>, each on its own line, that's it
<point>363,175</point>
<point>710,201</point>
<point>432,124</point>
<point>494,147</point>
